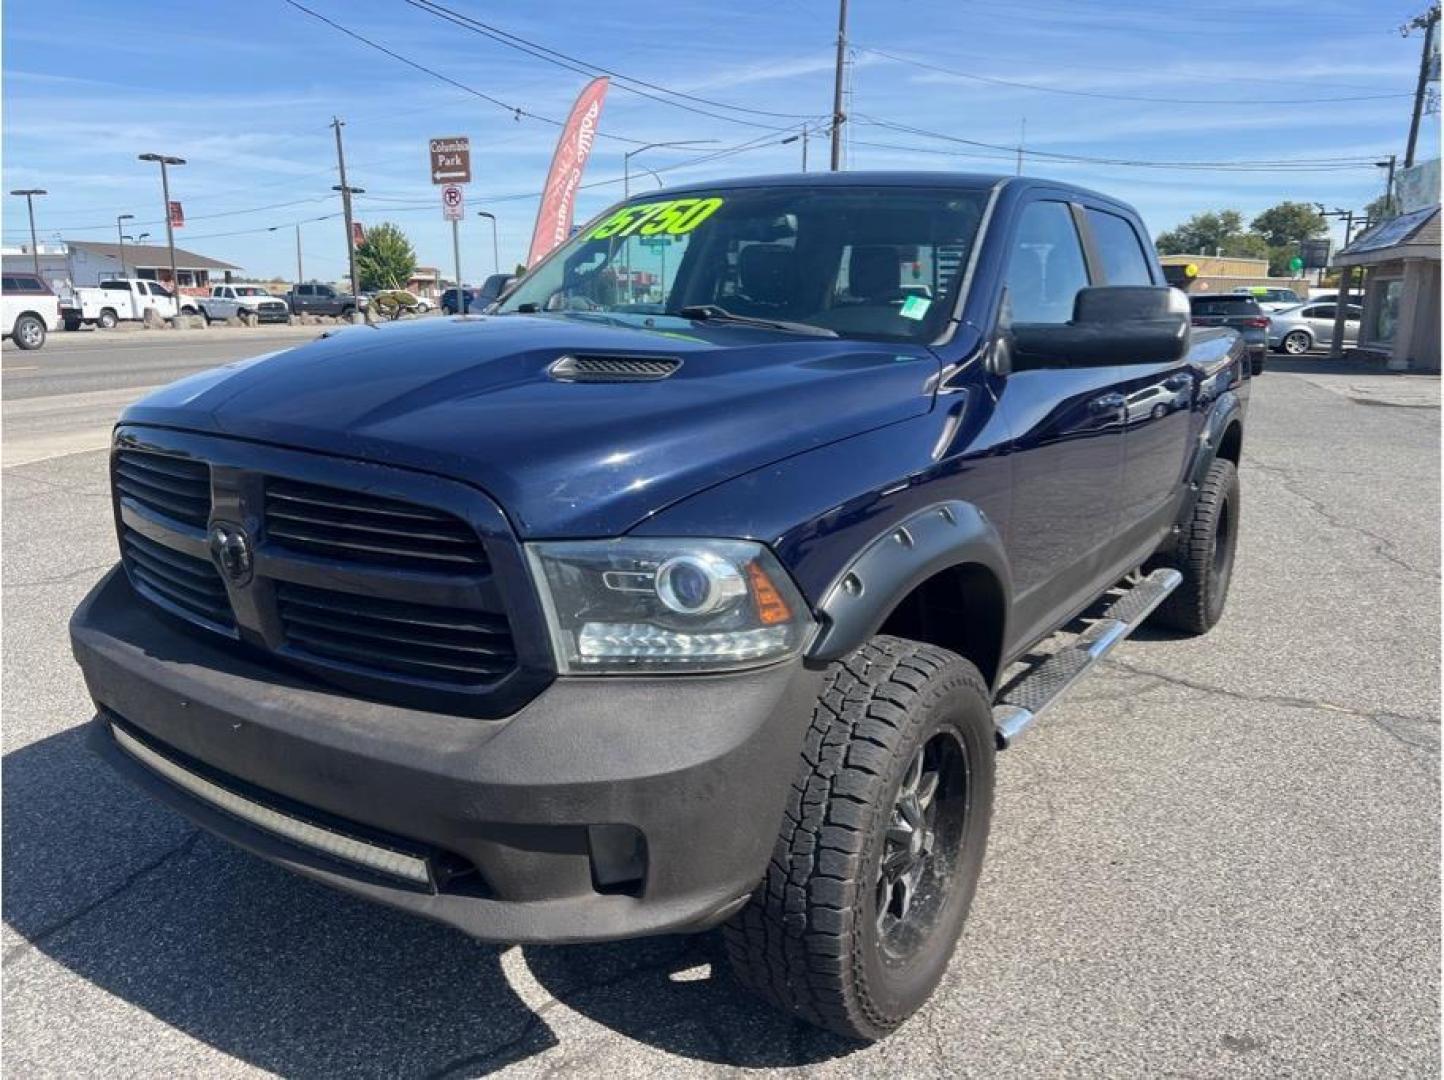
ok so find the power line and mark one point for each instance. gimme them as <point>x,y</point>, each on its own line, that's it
<point>587,67</point>
<point>1136,98</point>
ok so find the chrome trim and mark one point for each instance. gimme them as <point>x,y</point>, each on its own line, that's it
<point>1010,721</point>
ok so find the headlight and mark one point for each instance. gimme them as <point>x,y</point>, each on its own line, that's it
<point>667,605</point>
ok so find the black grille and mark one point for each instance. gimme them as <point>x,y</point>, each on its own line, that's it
<point>614,368</point>
<point>439,644</point>
<point>190,584</point>
<point>358,527</point>
<point>179,488</point>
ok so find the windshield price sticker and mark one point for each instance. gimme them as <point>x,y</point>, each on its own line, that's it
<point>674,217</point>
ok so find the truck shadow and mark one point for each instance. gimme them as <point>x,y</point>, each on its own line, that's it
<point>296,979</point>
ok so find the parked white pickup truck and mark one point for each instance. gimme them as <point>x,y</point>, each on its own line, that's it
<point>29,310</point>
<point>229,301</point>
<point>119,300</point>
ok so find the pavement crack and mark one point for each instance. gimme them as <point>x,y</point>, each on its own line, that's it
<point>1382,719</point>
<point>59,579</point>
<point>128,882</point>
<point>1382,546</point>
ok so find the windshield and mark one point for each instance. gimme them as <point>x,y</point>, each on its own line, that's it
<point>880,263</point>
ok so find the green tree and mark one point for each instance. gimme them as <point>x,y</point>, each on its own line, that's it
<point>385,259</point>
<point>1202,234</point>
<point>1288,223</point>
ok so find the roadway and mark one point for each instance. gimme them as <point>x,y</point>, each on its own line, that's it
<point>1219,857</point>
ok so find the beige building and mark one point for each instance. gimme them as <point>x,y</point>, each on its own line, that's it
<point>1223,273</point>
<point>1400,261</point>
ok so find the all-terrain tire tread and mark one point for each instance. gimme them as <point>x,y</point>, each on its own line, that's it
<point>1186,609</point>
<point>793,944</point>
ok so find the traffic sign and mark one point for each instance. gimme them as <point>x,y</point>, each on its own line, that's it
<point>453,203</point>
<point>1296,264</point>
<point>451,160</point>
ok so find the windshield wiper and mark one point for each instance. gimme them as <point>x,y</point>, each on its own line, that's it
<point>714,313</point>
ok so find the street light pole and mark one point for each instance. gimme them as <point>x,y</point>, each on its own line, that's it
<point>627,159</point>
<point>837,115</point>
<point>300,274</point>
<point>495,252</point>
<point>166,160</point>
<point>346,193</point>
<point>120,235</point>
<point>30,194</point>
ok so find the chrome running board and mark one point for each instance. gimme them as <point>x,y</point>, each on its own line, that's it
<point>1029,695</point>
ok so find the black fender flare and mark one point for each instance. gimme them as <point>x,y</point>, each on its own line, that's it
<point>897,561</point>
<point>1227,410</point>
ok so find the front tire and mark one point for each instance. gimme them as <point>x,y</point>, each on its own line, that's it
<point>1204,555</point>
<point>1296,343</point>
<point>881,844</point>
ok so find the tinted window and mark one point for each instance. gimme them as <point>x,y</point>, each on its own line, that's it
<point>1320,311</point>
<point>1124,261</point>
<point>1233,307</point>
<point>306,290</point>
<point>8,284</point>
<point>123,286</point>
<point>1046,268</point>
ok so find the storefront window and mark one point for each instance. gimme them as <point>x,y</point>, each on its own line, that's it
<point>1386,315</point>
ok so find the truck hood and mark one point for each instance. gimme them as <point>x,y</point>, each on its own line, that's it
<point>472,399</point>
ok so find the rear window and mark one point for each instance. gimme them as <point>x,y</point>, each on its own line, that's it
<point>1233,307</point>
<point>24,283</point>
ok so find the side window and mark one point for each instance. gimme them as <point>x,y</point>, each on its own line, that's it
<point>1124,261</point>
<point>1322,311</point>
<point>325,290</point>
<point>123,286</point>
<point>8,284</point>
<point>306,290</point>
<point>1046,267</point>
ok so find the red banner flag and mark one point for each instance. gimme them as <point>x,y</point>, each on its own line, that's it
<point>177,215</point>
<point>554,218</point>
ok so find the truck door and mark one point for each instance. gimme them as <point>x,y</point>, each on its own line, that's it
<point>1158,410</point>
<point>1067,431</point>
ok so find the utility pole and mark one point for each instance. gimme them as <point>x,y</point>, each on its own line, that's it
<point>1022,138</point>
<point>30,194</point>
<point>166,160</point>
<point>495,251</point>
<point>346,193</point>
<point>1389,184</point>
<point>1429,23</point>
<point>837,115</point>
<point>804,147</point>
<point>120,235</point>
<point>300,274</point>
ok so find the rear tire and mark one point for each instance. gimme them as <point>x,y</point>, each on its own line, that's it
<point>107,320</point>
<point>1204,555</point>
<point>28,332</point>
<point>1296,343</point>
<point>1256,365</point>
<point>881,844</point>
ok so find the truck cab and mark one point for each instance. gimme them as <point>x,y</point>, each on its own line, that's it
<point>318,298</point>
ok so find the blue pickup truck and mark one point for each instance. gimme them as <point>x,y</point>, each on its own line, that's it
<point>697,585</point>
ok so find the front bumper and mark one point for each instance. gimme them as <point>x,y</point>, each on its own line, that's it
<point>521,820</point>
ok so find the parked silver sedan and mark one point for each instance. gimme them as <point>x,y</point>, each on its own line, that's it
<point>1302,327</point>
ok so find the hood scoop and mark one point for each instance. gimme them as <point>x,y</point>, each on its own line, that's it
<point>613,369</point>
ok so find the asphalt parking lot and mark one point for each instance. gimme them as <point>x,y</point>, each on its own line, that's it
<point>1218,857</point>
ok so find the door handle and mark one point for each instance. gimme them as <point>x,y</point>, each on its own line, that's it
<point>1178,382</point>
<point>1107,403</point>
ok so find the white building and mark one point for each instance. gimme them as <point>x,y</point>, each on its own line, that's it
<point>83,263</point>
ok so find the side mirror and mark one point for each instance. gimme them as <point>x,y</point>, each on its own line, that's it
<point>1118,324</point>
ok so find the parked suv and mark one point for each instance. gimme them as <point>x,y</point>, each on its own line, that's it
<point>1239,311</point>
<point>575,623</point>
<point>30,310</point>
<point>456,301</point>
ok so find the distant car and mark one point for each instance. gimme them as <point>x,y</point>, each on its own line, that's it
<point>233,301</point>
<point>451,303</point>
<point>1271,299</point>
<point>1298,329</point>
<point>318,298</point>
<point>30,310</point>
<point>1239,311</point>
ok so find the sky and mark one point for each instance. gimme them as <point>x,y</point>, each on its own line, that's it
<point>246,93</point>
